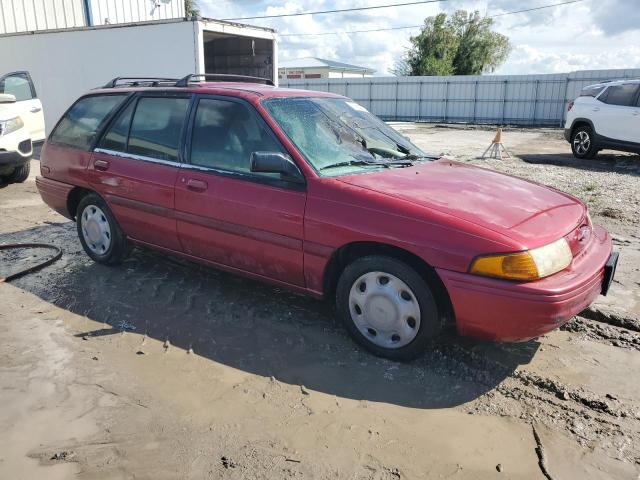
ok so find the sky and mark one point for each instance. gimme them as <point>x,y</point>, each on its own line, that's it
<point>591,34</point>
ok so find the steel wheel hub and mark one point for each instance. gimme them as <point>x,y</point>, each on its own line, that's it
<point>95,229</point>
<point>384,309</point>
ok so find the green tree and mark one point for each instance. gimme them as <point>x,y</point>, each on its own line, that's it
<point>191,8</point>
<point>461,44</point>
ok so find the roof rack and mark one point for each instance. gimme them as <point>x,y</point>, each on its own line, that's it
<point>221,77</point>
<point>139,82</point>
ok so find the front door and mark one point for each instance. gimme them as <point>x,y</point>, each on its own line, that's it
<point>248,221</point>
<point>136,163</point>
<point>27,104</point>
<point>616,119</point>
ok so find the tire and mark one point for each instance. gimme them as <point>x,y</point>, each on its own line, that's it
<point>20,174</point>
<point>380,315</point>
<point>582,143</point>
<point>101,236</point>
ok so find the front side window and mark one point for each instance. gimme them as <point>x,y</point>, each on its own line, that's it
<point>226,133</point>
<point>156,128</point>
<point>17,85</point>
<point>623,95</point>
<point>337,136</point>
<point>84,119</point>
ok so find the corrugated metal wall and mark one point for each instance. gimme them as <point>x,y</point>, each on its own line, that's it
<point>495,99</point>
<point>126,11</point>
<point>31,15</point>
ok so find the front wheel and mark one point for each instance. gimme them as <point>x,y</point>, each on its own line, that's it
<point>101,236</point>
<point>387,307</point>
<point>582,143</point>
<point>20,174</point>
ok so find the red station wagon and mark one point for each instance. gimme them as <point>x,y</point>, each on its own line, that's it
<point>310,191</point>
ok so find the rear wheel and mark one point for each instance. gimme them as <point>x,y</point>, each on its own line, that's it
<point>20,174</point>
<point>582,142</point>
<point>101,236</point>
<point>387,307</point>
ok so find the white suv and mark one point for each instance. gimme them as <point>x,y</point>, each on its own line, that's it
<point>21,124</point>
<point>605,115</point>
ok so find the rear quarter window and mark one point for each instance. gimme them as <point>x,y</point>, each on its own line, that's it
<point>84,120</point>
<point>591,91</point>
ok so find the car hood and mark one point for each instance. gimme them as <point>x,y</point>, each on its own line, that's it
<point>7,111</point>
<point>526,212</point>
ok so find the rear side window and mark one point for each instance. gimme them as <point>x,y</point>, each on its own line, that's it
<point>156,128</point>
<point>591,91</point>
<point>116,136</point>
<point>85,118</point>
<point>18,85</point>
<point>623,95</point>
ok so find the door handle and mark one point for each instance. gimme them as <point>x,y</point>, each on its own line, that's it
<point>196,185</point>
<point>595,109</point>
<point>636,113</point>
<point>101,165</point>
<point>35,109</point>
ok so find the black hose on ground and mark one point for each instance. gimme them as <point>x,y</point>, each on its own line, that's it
<point>46,263</point>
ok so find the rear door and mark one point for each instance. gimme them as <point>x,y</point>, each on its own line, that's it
<point>615,117</point>
<point>226,214</point>
<point>27,104</point>
<point>136,163</point>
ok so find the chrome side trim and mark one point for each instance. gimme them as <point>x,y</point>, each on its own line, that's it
<point>137,157</point>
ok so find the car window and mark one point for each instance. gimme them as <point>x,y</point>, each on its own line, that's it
<point>17,85</point>
<point>591,91</point>
<point>156,128</point>
<point>84,119</point>
<point>623,95</point>
<point>225,134</point>
<point>116,136</point>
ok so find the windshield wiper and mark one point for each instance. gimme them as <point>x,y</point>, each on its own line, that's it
<point>413,156</point>
<point>350,163</point>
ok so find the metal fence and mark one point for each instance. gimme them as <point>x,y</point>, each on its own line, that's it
<point>536,100</point>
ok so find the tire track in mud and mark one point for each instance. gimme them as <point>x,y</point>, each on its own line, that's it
<point>587,417</point>
<point>607,333</point>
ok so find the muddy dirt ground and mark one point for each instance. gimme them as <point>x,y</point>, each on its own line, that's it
<point>164,369</point>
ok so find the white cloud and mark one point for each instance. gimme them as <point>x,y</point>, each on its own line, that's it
<point>592,34</point>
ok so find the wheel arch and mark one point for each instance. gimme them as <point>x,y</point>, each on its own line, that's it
<point>73,200</point>
<point>346,254</point>
<point>581,121</point>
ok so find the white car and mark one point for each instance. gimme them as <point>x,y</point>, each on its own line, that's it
<point>21,125</point>
<point>605,115</point>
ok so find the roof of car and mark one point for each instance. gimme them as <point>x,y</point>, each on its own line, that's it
<point>608,83</point>
<point>240,89</point>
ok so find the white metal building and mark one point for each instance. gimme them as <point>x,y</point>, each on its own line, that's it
<point>32,15</point>
<point>66,56</point>
<point>312,67</point>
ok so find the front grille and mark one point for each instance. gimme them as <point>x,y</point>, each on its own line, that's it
<point>25,146</point>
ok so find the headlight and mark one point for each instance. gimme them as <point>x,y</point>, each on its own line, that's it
<point>530,265</point>
<point>8,126</point>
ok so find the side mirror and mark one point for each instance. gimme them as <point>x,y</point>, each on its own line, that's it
<point>276,162</point>
<point>7,98</point>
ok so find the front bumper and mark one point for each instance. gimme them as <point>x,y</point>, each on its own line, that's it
<point>13,159</point>
<point>567,134</point>
<point>500,310</point>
